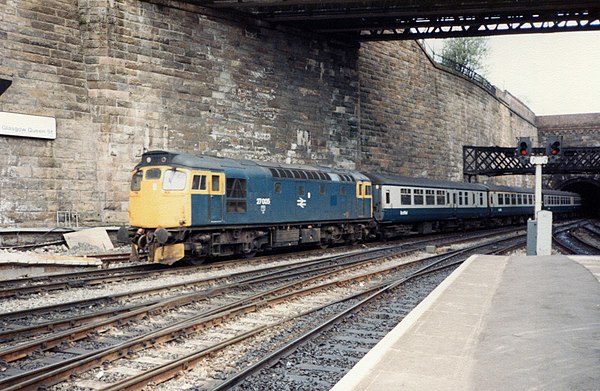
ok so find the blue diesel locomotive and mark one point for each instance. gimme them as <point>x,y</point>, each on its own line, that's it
<point>184,205</point>
<point>206,206</point>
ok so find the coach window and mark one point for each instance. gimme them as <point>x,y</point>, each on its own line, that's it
<point>418,198</point>
<point>441,199</point>
<point>387,197</point>
<point>199,182</point>
<point>136,181</point>
<point>277,187</point>
<point>460,198</point>
<point>405,197</point>
<point>430,197</point>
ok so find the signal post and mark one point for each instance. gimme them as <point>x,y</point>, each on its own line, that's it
<point>539,230</point>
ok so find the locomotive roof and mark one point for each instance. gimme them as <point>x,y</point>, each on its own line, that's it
<point>384,179</point>
<point>208,162</point>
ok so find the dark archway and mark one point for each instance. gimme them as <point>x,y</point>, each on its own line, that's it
<point>589,189</point>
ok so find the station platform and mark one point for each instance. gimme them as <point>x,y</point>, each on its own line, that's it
<point>496,323</point>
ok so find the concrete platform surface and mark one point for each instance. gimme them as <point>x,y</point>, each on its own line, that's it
<point>497,323</point>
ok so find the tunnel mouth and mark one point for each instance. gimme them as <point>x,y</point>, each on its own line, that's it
<point>589,190</point>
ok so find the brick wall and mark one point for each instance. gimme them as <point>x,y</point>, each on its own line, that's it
<point>121,76</point>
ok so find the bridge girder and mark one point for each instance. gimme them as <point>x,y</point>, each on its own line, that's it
<point>415,19</point>
<point>496,161</point>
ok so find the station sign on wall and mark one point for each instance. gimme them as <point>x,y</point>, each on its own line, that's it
<point>23,125</point>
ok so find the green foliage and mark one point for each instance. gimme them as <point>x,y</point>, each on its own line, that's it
<point>469,52</point>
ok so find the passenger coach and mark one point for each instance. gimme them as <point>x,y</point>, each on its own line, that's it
<point>403,204</point>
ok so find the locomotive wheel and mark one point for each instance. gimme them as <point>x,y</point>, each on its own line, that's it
<point>322,245</point>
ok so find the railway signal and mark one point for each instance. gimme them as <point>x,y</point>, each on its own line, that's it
<point>554,148</point>
<point>524,149</point>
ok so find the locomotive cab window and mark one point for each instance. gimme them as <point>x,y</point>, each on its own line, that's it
<point>136,181</point>
<point>174,180</point>
<point>199,182</point>
<point>153,173</point>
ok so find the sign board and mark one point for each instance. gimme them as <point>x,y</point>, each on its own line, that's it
<point>24,125</point>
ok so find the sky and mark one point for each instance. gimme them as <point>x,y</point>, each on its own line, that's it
<point>552,73</point>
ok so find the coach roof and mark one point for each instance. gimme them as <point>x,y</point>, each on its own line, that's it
<point>382,179</point>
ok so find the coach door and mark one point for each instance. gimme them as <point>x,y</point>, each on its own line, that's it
<point>452,201</point>
<point>216,191</point>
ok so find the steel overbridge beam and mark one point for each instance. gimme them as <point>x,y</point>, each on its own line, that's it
<point>416,19</point>
<point>495,161</point>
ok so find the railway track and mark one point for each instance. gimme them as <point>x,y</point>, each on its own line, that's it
<point>582,238</point>
<point>262,306</point>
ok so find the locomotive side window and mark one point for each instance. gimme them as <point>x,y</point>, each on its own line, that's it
<point>368,191</point>
<point>153,173</point>
<point>199,182</point>
<point>277,187</point>
<point>343,190</point>
<point>236,195</point>
<point>301,190</point>
<point>136,181</point>
<point>174,180</point>
<point>322,189</point>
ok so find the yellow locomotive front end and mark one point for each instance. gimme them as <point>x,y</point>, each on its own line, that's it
<point>159,199</point>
